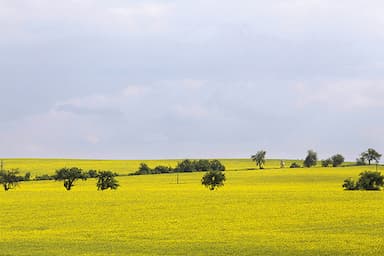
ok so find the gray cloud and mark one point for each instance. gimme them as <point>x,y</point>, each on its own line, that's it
<point>153,79</point>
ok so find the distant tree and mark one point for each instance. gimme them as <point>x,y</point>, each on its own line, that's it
<point>216,165</point>
<point>27,176</point>
<point>259,158</point>
<point>44,177</point>
<point>202,165</point>
<point>360,161</point>
<point>162,169</point>
<point>143,169</point>
<point>186,166</point>
<point>311,159</point>
<point>368,180</point>
<point>106,180</point>
<point>69,176</point>
<point>9,179</point>
<point>92,174</point>
<point>370,155</point>
<point>213,179</point>
<point>327,162</point>
<point>294,165</point>
<point>337,160</point>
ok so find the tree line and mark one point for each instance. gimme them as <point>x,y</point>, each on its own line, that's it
<point>365,158</point>
<point>202,165</point>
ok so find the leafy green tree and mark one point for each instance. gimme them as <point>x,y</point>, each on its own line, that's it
<point>259,158</point>
<point>213,179</point>
<point>216,165</point>
<point>327,162</point>
<point>337,160</point>
<point>69,176</point>
<point>162,169</point>
<point>10,179</point>
<point>27,176</point>
<point>370,155</point>
<point>186,166</point>
<point>92,174</point>
<point>311,159</point>
<point>106,180</point>
<point>143,169</point>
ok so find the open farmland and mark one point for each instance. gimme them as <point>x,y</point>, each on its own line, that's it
<point>269,212</point>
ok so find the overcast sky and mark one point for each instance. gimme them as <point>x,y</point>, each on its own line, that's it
<point>182,79</point>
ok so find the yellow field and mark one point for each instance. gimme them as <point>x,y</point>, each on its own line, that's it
<point>270,212</point>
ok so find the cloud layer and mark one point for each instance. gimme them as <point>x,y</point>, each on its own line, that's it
<point>175,79</point>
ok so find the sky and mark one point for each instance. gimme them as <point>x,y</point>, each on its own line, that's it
<point>190,79</point>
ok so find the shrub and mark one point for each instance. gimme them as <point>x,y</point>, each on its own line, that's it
<point>92,174</point>
<point>44,177</point>
<point>294,165</point>
<point>368,180</point>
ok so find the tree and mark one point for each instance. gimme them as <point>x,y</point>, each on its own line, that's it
<point>186,166</point>
<point>337,160</point>
<point>368,180</point>
<point>327,162</point>
<point>259,158</point>
<point>92,174</point>
<point>213,179</point>
<point>69,176</point>
<point>370,155</point>
<point>294,165</point>
<point>143,169</point>
<point>106,180</point>
<point>9,179</point>
<point>311,159</point>
<point>216,165</point>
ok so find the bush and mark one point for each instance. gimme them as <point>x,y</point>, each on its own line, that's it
<point>44,177</point>
<point>295,165</point>
<point>368,180</point>
<point>161,169</point>
<point>349,184</point>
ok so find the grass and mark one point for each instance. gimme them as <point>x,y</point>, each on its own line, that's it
<point>270,212</point>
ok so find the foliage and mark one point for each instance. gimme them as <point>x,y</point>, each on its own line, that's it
<point>294,165</point>
<point>311,159</point>
<point>360,161</point>
<point>259,158</point>
<point>27,176</point>
<point>44,177</point>
<point>349,184</point>
<point>326,163</point>
<point>370,155</point>
<point>213,179</point>
<point>369,180</point>
<point>183,166</point>
<point>69,176</point>
<point>106,180</point>
<point>92,174</point>
<point>337,160</point>
<point>9,179</point>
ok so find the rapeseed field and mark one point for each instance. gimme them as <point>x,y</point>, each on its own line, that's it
<point>258,212</point>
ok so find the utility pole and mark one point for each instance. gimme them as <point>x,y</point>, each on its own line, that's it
<point>177,178</point>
